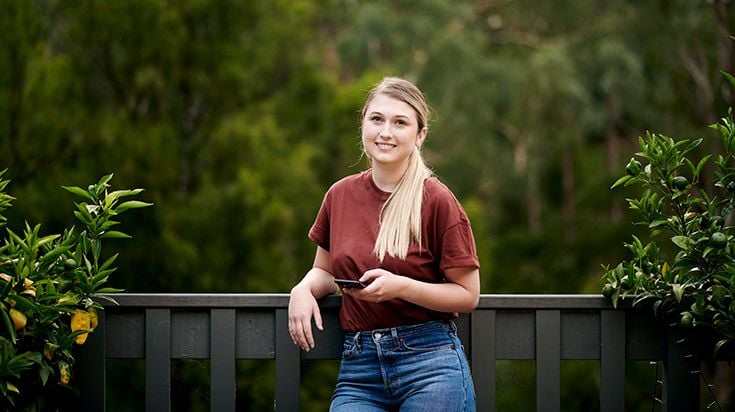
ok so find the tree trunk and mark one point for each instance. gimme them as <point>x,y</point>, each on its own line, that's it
<point>569,207</point>
<point>533,199</point>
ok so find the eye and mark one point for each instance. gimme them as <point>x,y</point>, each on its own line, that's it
<point>376,118</point>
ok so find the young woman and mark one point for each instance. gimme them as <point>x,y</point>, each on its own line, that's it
<point>404,236</point>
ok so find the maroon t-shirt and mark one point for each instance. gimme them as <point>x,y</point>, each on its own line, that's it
<point>347,226</point>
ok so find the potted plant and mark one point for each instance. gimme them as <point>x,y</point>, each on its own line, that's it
<point>47,283</point>
<point>694,284</point>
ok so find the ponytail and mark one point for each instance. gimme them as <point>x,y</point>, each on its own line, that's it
<point>400,217</point>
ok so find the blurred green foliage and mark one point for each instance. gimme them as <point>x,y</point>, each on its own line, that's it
<point>237,115</point>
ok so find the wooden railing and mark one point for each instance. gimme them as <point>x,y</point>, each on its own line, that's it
<point>227,327</point>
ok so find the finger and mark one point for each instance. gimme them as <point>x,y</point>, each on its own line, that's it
<point>308,338</point>
<point>371,275</point>
<point>298,334</point>
<point>318,318</point>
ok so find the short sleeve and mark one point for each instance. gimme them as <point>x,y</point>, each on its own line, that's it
<point>458,247</point>
<point>449,230</point>
<point>319,232</point>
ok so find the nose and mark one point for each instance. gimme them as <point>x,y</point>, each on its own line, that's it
<point>385,132</point>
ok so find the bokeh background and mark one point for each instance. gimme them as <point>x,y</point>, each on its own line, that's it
<point>236,116</point>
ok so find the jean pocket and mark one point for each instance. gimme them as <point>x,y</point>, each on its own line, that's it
<point>428,344</point>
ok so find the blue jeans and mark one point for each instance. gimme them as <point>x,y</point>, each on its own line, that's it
<point>409,368</point>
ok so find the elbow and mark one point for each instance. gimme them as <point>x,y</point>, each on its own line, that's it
<point>474,303</point>
<point>471,303</point>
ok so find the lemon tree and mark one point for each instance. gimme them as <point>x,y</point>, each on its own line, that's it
<point>47,284</point>
<point>689,275</point>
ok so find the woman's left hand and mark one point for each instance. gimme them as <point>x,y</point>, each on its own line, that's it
<point>381,284</point>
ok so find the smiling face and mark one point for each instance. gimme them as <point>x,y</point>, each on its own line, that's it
<point>390,132</point>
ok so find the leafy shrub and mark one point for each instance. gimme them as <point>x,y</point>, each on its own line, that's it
<point>46,289</point>
<point>696,286</point>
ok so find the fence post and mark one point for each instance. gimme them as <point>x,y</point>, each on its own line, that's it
<point>681,374</point>
<point>288,366</point>
<point>93,371</point>
<point>482,345</point>
<point>612,361</point>
<point>157,360</point>
<point>548,360</point>
<point>222,360</point>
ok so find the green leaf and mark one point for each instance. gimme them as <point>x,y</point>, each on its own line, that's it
<point>114,234</point>
<point>17,239</point>
<point>108,262</point>
<point>9,325</point>
<point>79,192</point>
<point>131,204</point>
<point>11,387</point>
<point>24,305</point>
<point>83,217</point>
<point>683,242</point>
<point>47,239</point>
<point>730,78</point>
<point>658,222</point>
<point>44,373</point>
<point>721,345</point>
<point>104,180</point>
<point>701,164</point>
<point>54,253</point>
<point>614,298</point>
<point>108,224</point>
<point>621,181</point>
<point>678,290</point>
<point>109,290</point>
<point>122,193</point>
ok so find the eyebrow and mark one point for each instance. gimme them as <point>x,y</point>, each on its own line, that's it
<point>382,114</point>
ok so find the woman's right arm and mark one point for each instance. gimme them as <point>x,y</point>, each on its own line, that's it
<point>302,306</point>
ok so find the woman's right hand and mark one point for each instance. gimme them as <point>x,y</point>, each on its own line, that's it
<point>302,307</point>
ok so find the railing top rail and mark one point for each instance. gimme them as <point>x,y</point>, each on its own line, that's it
<point>280,300</point>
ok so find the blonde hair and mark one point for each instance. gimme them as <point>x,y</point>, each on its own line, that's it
<point>400,216</point>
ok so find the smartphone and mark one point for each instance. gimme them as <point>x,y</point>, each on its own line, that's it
<point>345,283</point>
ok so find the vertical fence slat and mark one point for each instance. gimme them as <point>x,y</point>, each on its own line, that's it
<point>681,375</point>
<point>548,360</point>
<point>222,359</point>
<point>612,361</point>
<point>483,358</point>
<point>288,366</point>
<point>157,360</point>
<point>94,369</point>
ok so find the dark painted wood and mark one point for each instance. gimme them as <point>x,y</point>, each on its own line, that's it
<point>548,357</point>
<point>158,360</point>
<point>544,328</point>
<point>482,360</point>
<point>612,361</point>
<point>222,364</point>
<point>288,366</point>
<point>681,374</point>
<point>92,362</point>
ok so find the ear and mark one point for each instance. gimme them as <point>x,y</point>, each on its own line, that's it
<point>421,137</point>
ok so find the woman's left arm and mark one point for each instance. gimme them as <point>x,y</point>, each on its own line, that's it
<point>461,292</point>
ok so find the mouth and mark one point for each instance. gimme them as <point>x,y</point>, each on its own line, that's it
<point>384,146</point>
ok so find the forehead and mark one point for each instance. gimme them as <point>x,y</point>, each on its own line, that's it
<point>390,106</point>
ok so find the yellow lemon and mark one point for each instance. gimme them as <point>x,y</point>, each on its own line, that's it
<point>80,320</point>
<point>18,318</point>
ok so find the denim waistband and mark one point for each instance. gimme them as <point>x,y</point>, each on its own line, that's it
<point>407,330</point>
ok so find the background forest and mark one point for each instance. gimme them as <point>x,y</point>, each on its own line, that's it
<point>236,116</point>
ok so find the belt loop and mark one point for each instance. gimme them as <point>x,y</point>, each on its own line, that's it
<point>394,334</point>
<point>357,341</point>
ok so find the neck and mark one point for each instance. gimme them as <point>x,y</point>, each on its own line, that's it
<point>387,178</point>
